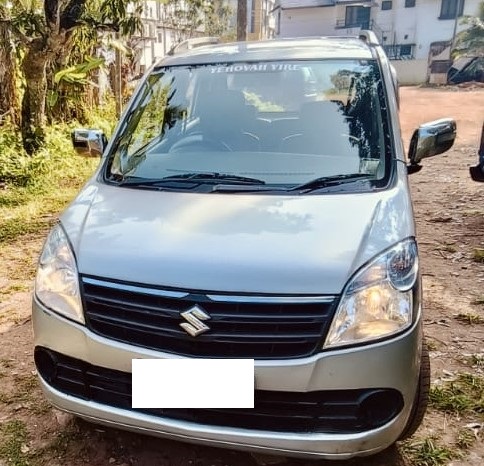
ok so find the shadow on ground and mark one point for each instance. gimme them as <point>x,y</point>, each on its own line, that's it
<point>129,449</point>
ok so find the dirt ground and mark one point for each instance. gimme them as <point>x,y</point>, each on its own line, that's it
<point>449,211</point>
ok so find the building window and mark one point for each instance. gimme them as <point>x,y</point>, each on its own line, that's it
<point>409,3</point>
<point>357,16</point>
<point>450,8</point>
<point>386,5</point>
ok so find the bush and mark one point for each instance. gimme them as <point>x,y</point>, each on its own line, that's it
<point>15,166</point>
<point>57,157</point>
<point>56,162</point>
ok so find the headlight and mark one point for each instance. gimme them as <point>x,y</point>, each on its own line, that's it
<point>57,284</point>
<point>378,301</point>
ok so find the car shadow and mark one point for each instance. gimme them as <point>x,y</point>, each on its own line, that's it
<point>129,449</point>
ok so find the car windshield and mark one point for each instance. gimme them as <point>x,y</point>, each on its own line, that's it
<point>266,125</point>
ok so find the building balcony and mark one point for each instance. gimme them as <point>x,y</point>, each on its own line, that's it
<point>343,24</point>
<point>400,51</point>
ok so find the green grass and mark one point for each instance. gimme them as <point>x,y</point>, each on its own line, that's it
<point>465,439</point>
<point>25,385</point>
<point>473,213</point>
<point>463,395</point>
<point>11,198</point>
<point>6,363</point>
<point>12,229</point>
<point>469,318</point>
<point>13,442</point>
<point>448,248</point>
<point>35,189</point>
<point>12,289</point>
<point>475,360</point>
<point>60,444</point>
<point>69,439</point>
<point>38,211</point>
<point>432,345</point>
<point>478,255</point>
<point>427,452</point>
<point>14,445</point>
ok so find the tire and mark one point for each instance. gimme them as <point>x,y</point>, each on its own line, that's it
<point>421,397</point>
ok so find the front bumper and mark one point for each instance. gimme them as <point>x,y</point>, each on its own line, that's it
<point>390,364</point>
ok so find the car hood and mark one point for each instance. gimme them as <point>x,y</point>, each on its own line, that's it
<point>309,244</point>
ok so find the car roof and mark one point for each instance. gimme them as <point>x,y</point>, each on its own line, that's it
<point>280,49</point>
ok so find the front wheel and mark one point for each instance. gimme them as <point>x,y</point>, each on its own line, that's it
<point>421,397</point>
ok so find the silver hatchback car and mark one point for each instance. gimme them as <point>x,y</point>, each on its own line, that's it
<point>252,203</point>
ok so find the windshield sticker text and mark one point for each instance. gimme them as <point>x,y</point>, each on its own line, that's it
<point>255,68</point>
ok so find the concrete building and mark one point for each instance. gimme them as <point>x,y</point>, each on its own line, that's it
<point>420,31</point>
<point>261,22</point>
<point>159,33</point>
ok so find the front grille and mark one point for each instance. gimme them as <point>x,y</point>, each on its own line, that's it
<point>332,411</point>
<point>242,327</point>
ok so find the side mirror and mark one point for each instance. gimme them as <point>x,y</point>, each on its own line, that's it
<point>431,139</point>
<point>89,142</point>
<point>477,172</point>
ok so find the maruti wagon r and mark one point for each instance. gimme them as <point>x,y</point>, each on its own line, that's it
<point>253,202</point>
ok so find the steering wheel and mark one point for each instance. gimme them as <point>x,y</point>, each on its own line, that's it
<point>199,142</point>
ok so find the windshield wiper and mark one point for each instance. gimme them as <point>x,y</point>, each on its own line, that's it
<point>333,180</point>
<point>213,177</point>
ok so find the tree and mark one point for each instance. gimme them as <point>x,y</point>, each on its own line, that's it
<point>8,69</point>
<point>45,30</point>
<point>55,35</point>
<point>217,19</point>
<point>470,41</point>
<point>185,17</point>
<point>241,20</point>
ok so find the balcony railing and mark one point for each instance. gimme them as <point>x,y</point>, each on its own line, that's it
<point>400,51</point>
<point>342,24</point>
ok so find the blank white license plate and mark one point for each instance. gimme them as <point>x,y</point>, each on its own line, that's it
<point>193,383</point>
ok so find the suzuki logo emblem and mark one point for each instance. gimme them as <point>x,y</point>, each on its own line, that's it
<point>195,317</point>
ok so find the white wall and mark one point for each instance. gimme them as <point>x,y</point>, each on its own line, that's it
<point>411,71</point>
<point>421,24</point>
<point>431,29</point>
<point>303,22</point>
<point>157,39</point>
<point>418,25</point>
<point>398,22</point>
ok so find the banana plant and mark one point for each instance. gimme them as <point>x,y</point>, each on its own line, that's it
<point>76,76</point>
<point>48,31</point>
